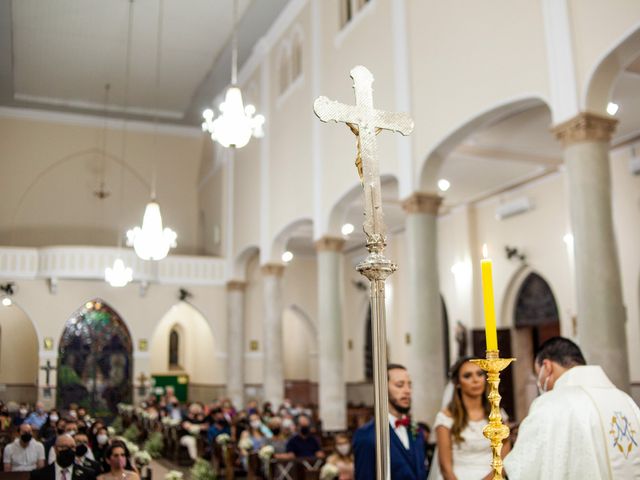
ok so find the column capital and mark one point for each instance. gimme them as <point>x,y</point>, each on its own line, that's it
<point>422,202</point>
<point>585,127</point>
<point>275,269</point>
<point>331,244</point>
<point>236,285</point>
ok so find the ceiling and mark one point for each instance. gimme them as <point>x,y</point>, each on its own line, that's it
<point>59,54</point>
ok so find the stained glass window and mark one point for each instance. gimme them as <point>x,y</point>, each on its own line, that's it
<point>95,360</point>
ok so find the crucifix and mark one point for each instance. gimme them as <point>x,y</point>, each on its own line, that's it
<point>366,122</point>
<point>48,368</point>
<point>142,384</point>
<point>47,389</point>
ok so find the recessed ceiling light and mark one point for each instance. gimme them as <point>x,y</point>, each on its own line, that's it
<point>6,301</point>
<point>347,229</point>
<point>443,184</point>
<point>287,256</point>
<point>612,108</point>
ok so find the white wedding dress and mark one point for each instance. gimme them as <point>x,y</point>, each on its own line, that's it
<point>471,458</point>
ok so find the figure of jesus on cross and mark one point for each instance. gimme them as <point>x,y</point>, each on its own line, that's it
<point>365,121</point>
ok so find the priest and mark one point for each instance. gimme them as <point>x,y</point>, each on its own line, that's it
<point>581,427</point>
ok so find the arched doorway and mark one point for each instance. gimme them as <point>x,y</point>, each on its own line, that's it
<point>536,310</point>
<point>300,357</point>
<point>536,319</point>
<point>18,356</point>
<point>95,364</point>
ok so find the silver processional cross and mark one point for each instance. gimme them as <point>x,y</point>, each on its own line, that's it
<point>365,121</point>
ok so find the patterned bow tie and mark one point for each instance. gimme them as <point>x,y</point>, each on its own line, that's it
<point>403,422</point>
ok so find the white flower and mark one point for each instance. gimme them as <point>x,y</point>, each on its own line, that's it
<point>173,475</point>
<point>223,439</point>
<point>266,452</point>
<point>111,431</point>
<point>245,444</point>
<point>133,448</point>
<point>142,457</point>
<point>329,471</point>
<point>194,429</point>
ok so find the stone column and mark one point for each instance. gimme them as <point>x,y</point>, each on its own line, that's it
<point>426,350</point>
<point>235,342</point>
<point>273,380</point>
<point>601,312</point>
<point>331,386</point>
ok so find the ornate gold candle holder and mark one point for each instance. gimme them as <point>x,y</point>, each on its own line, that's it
<point>495,431</point>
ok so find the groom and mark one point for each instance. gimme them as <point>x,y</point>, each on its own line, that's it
<point>406,443</point>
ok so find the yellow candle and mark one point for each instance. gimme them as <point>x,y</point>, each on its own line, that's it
<point>489,307</point>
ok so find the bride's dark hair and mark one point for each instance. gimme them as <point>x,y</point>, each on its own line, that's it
<point>456,406</point>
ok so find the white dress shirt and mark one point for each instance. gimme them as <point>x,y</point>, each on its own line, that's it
<point>401,431</point>
<point>23,459</point>
<point>68,475</point>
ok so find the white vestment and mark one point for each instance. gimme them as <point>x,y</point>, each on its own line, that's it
<point>583,429</point>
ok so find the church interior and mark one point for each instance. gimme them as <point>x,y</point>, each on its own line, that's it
<point>526,140</point>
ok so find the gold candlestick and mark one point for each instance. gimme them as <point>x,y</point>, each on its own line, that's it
<point>495,431</point>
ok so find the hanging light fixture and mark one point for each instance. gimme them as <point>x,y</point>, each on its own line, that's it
<point>152,241</point>
<point>236,123</point>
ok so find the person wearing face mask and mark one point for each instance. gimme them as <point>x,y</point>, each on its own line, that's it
<point>341,458</point>
<point>462,449</point>
<point>279,439</point>
<point>116,459</point>
<point>101,444</point>
<point>84,455</point>
<point>24,454</point>
<point>20,415</point>
<point>406,444</point>
<point>64,467</point>
<point>580,427</point>
<point>48,430</point>
<point>304,444</point>
<point>38,417</point>
<point>70,428</point>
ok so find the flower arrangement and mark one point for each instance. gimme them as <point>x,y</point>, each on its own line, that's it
<point>132,433</point>
<point>194,429</point>
<point>223,439</point>
<point>111,431</point>
<point>202,470</point>
<point>266,452</point>
<point>245,444</point>
<point>173,475</point>
<point>142,458</point>
<point>154,444</point>
<point>329,471</point>
<point>132,447</point>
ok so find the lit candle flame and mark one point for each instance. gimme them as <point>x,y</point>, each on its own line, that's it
<point>485,251</point>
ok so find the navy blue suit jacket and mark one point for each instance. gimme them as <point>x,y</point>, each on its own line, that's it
<point>405,464</point>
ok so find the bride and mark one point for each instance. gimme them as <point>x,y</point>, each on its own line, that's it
<point>463,452</point>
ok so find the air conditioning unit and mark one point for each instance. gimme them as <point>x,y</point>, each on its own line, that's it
<point>513,207</point>
<point>634,165</point>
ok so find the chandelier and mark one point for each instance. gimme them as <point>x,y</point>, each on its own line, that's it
<point>236,123</point>
<point>118,275</point>
<point>151,242</point>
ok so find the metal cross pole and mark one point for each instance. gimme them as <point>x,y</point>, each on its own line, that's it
<point>365,121</point>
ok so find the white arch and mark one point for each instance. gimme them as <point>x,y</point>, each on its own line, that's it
<point>434,159</point>
<point>279,243</point>
<point>239,269</point>
<point>339,209</point>
<point>605,72</point>
<point>199,343</point>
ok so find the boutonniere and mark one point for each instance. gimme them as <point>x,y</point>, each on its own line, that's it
<point>413,428</point>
